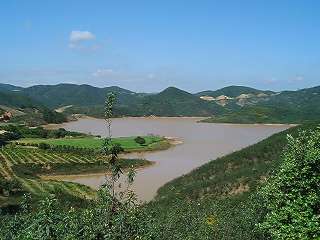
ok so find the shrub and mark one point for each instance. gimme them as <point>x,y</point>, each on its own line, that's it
<point>44,146</point>
<point>140,140</point>
<point>292,195</point>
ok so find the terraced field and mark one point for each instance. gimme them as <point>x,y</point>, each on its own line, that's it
<point>11,157</point>
<point>23,164</point>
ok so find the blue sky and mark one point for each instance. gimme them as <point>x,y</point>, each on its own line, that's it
<point>150,45</point>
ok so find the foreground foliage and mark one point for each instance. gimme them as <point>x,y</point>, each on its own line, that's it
<point>101,219</point>
<point>292,195</point>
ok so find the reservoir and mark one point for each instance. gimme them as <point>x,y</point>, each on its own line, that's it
<point>200,143</point>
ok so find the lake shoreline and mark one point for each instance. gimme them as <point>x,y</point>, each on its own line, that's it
<point>52,126</point>
<point>60,177</point>
<point>194,145</point>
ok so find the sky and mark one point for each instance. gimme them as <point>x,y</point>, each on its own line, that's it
<point>146,46</point>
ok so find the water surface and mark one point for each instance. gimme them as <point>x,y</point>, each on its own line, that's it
<point>202,142</point>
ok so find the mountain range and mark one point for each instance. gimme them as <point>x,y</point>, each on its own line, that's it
<point>232,104</point>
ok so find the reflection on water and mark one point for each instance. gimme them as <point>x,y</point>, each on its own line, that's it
<point>201,143</point>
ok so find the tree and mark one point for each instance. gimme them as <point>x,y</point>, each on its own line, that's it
<point>292,195</point>
<point>44,146</point>
<point>140,140</point>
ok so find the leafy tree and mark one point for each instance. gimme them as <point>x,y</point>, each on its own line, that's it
<point>292,195</point>
<point>140,140</point>
<point>44,146</point>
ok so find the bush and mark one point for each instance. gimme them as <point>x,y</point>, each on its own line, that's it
<point>44,146</point>
<point>140,140</point>
<point>11,186</point>
<point>292,195</point>
<point>100,220</point>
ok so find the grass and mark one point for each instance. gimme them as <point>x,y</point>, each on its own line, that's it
<point>127,143</point>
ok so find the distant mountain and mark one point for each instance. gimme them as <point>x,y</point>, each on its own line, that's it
<point>175,102</point>
<point>70,94</point>
<point>16,99</point>
<point>25,109</point>
<point>9,87</point>
<point>90,100</point>
<point>232,91</point>
<point>229,104</point>
<point>285,107</point>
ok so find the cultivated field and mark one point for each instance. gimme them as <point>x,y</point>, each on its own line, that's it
<point>23,164</point>
<point>127,143</point>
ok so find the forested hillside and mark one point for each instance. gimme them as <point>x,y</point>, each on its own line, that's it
<point>233,104</point>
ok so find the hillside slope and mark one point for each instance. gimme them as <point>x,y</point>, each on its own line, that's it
<point>26,110</point>
<point>232,91</point>
<point>217,201</point>
<point>285,107</point>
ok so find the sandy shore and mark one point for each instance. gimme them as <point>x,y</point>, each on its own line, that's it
<point>60,177</point>
<point>174,140</point>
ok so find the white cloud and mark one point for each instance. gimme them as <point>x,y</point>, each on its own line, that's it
<point>78,36</point>
<point>83,41</point>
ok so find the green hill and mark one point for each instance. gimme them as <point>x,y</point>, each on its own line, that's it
<point>285,107</point>
<point>16,99</point>
<point>89,100</point>
<point>175,102</point>
<point>26,110</point>
<point>232,91</point>
<point>9,87</point>
<point>240,105</point>
<point>70,94</point>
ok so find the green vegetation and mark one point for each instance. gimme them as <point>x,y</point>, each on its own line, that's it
<point>232,91</point>
<point>110,215</point>
<point>28,111</point>
<point>286,107</point>
<point>254,193</point>
<point>219,201</point>
<point>39,132</point>
<point>269,190</point>
<point>254,106</point>
<point>292,195</point>
<point>101,219</point>
<point>266,114</point>
<point>140,140</point>
<point>23,164</point>
<point>127,143</point>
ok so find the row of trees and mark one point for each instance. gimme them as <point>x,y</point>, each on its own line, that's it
<point>66,149</point>
<point>38,132</point>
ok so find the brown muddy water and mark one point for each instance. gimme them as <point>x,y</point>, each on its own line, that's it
<point>202,142</point>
